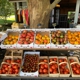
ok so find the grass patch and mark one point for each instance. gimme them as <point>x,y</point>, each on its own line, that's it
<point>10,19</point>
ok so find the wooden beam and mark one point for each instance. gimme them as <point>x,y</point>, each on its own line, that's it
<point>53,5</point>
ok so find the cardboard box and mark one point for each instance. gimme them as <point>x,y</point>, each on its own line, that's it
<point>24,46</point>
<point>61,46</point>
<point>42,32</point>
<point>29,74</point>
<point>11,32</point>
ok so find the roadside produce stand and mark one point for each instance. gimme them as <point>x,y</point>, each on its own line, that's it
<point>23,59</point>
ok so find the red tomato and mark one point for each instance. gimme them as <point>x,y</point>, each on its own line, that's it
<point>46,66</point>
<point>0,71</point>
<point>77,71</point>
<point>55,71</point>
<point>42,66</point>
<point>53,67</point>
<point>40,71</point>
<point>45,60</point>
<point>50,70</point>
<point>55,59</point>
<point>50,60</point>
<point>45,71</point>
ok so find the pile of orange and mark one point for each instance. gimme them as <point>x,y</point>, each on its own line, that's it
<point>73,37</point>
<point>42,39</point>
<point>11,39</point>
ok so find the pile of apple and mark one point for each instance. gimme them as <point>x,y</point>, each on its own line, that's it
<point>53,68</point>
<point>63,67</point>
<point>75,68</point>
<point>4,68</point>
<point>59,37</point>
<point>43,66</point>
<point>26,37</point>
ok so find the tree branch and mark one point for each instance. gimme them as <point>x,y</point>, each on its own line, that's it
<point>54,4</point>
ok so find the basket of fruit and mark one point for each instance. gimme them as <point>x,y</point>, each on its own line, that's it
<point>62,59</point>
<point>43,69</point>
<point>53,69</point>
<point>75,69</point>
<point>26,38</point>
<point>73,59</point>
<point>4,69</point>
<point>64,69</point>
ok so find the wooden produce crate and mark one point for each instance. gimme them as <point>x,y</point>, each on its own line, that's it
<point>43,70</point>
<point>64,69</point>
<point>4,69</point>
<point>53,59</point>
<point>73,59</point>
<point>75,69</point>
<point>62,59</point>
<point>53,69</point>
<point>8,53</point>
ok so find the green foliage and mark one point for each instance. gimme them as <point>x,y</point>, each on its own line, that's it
<point>6,8</point>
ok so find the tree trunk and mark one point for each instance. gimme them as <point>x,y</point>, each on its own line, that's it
<point>39,12</point>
